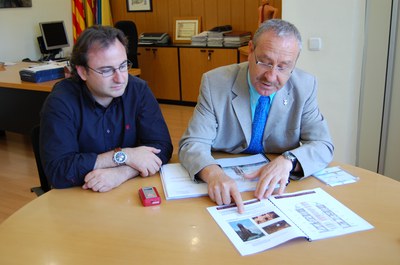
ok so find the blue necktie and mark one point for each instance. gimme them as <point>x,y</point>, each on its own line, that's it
<point>260,119</point>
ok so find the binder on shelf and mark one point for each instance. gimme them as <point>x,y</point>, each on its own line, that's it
<point>153,38</point>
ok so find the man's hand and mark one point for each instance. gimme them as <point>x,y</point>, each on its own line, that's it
<point>106,179</point>
<point>144,159</point>
<point>275,172</point>
<point>221,188</point>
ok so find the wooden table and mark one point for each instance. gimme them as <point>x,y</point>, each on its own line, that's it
<point>75,226</point>
<point>20,101</point>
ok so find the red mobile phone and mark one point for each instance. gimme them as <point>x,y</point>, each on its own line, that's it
<point>149,196</point>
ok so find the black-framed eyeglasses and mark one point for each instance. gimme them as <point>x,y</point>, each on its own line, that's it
<point>108,71</point>
<point>283,70</point>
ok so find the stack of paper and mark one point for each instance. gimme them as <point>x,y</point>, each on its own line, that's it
<point>200,39</point>
<point>236,38</point>
<point>215,38</point>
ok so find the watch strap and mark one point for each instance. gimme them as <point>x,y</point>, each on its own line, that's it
<point>289,156</point>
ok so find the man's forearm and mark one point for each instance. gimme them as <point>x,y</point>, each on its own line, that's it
<point>105,160</point>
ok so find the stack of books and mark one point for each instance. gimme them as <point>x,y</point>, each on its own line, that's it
<point>200,39</point>
<point>236,38</point>
<point>215,38</point>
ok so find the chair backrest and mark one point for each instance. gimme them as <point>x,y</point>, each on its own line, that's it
<point>44,183</point>
<point>266,12</point>
<point>128,27</point>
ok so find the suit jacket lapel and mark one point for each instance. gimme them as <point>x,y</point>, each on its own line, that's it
<point>281,104</point>
<point>241,102</point>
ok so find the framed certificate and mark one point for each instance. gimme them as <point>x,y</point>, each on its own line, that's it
<point>185,28</point>
<point>139,5</point>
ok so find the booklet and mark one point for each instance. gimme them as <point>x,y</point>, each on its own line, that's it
<point>312,214</point>
<point>177,183</point>
<point>334,176</point>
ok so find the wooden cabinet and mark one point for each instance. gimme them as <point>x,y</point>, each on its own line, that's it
<point>174,72</point>
<point>243,53</point>
<point>159,67</point>
<point>194,62</point>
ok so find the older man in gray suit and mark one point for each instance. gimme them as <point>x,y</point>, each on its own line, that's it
<point>227,112</point>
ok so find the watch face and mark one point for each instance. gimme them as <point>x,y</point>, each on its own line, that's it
<point>120,157</point>
<point>289,156</point>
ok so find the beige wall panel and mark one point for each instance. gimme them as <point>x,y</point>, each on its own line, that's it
<point>241,14</point>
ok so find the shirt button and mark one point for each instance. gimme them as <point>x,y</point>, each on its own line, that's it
<point>108,131</point>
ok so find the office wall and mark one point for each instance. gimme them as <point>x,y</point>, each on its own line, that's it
<point>389,123</point>
<point>351,68</point>
<point>373,93</point>
<point>19,28</point>
<point>240,14</point>
<point>391,165</point>
<point>340,25</point>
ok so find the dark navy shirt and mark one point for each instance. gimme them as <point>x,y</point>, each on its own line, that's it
<point>75,128</point>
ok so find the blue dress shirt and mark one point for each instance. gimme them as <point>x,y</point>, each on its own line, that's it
<point>254,96</point>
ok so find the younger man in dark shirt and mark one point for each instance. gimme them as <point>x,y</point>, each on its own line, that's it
<point>102,126</point>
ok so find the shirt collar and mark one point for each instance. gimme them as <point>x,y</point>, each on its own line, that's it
<point>254,96</point>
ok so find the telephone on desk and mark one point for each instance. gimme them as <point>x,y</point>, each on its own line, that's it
<point>153,38</point>
<point>224,28</point>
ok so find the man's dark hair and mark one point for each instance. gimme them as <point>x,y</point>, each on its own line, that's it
<point>97,36</point>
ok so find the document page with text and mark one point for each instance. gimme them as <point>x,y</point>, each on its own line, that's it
<point>312,214</point>
<point>177,183</point>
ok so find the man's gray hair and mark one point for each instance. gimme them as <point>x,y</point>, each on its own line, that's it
<point>281,28</point>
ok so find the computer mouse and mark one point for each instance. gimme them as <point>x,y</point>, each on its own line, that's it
<point>26,60</point>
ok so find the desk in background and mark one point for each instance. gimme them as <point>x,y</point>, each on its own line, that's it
<point>75,226</point>
<point>20,101</point>
<point>243,53</point>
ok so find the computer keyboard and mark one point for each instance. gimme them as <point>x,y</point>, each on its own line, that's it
<point>61,59</point>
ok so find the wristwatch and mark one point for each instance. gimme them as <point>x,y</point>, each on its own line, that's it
<point>289,156</point>
<point>119,156</point>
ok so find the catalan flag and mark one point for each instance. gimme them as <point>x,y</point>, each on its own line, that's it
<point>90,12</point>
<point>78,18</point>
<point>86,13</point>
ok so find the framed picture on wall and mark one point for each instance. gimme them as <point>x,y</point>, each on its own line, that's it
<point>185,28</point>
<point>139,5</point>
<point>15,3</point>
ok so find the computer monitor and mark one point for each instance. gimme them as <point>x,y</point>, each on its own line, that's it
<point>54,35</point>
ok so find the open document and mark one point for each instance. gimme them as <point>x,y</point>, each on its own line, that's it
<point>312,214</point>
<point>177,183</point>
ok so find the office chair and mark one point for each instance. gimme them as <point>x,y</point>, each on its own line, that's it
<point>129,29</point>
<point>44,183</point>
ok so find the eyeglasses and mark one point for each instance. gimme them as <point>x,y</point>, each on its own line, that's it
<point>283,70</point>
<point>108,71</point>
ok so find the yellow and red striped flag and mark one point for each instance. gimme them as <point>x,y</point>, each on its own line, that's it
<point>91,12</point>
<point>86,13</point>
<point>78,18</point>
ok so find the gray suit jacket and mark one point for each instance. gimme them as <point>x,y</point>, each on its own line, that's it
<point>222,121</point>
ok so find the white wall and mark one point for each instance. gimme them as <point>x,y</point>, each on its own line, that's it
<point>378,16</point>
<point>389,142</point>
<point>340,25</point>
<point>392,166</point>
<point>19,28</point>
